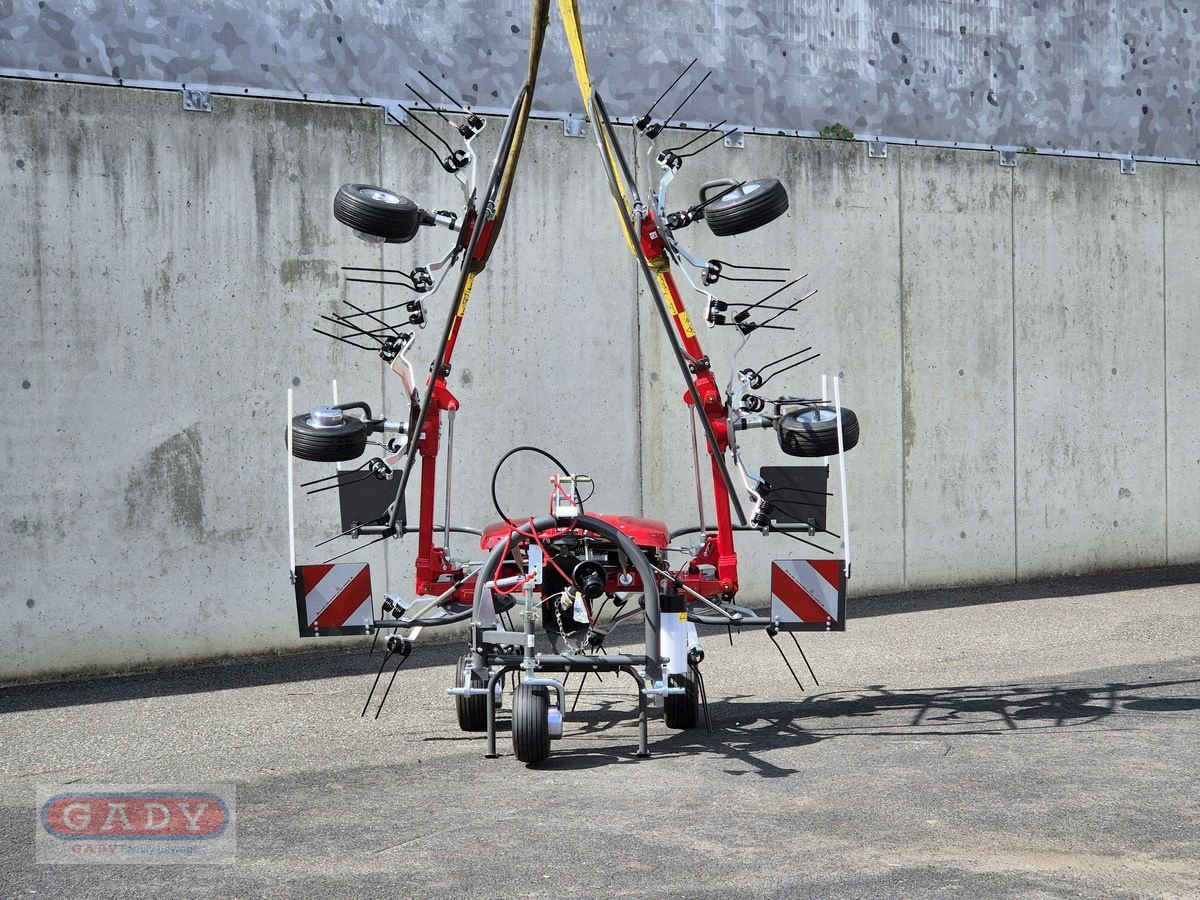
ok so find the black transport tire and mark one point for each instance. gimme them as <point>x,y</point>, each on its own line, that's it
<point>682,711</point>
<point>337,443</point>
<point>745,208</point>
<point>377,211</point>
<point>531,723</point>
<point>471,708</point>
<point>812,431</point>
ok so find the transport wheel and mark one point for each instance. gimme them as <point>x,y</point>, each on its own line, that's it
<point>745,208</point>
<point>328,435</point>
<point>378,212</point>
<point>682,710</point>
<point>812,431</point>
<point>531,723</point>
<point>471,708</point>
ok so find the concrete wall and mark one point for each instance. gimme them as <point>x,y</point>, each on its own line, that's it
<point>1018,343</point>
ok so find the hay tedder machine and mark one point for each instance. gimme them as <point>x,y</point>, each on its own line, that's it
<point>547,591</point>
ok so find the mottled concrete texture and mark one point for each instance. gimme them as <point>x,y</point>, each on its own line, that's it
<point>1019,344</point>
<point>1086,76</point>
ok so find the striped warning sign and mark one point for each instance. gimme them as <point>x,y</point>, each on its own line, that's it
<point>808,594</point>
<point>333,599</point>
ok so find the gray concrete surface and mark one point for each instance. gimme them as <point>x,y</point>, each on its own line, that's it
<point>167,266</point>
<point>1089,76</point>
<point>1025,741</point>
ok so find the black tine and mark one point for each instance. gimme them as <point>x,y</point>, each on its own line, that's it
<point>703,695</point>
<point>578,692</point>
<point>776,362</point>
<point>785,660</point>
<point>730,265</point>
<point>347,340</point>
<point>382,309</point>
<point>355,330</point>
<point>787,368</point>
<point>709,130</point>
<point>369,544</point>
<point>328,477</point>
<point>700,150</point>
<point>380,271</point>
<point>437,87</point>
<point>386,657</point>
<point>789,308</point>
<point>403,284</point>
<point>801,540</point>
<point>667,120</point>
<point>803,657</point>
<point>371,315</point>
<point>421,140</point>
<point>330,487</point>
<point>391,681</point>
<point>775,293</point>
<point>437,137</point>
<point>432,108</point>
<point>669,87</point>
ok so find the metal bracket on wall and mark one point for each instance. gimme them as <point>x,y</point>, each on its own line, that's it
<point>877,149</point>
<point>735,140</point>
<point>1008,158</point>
<point>573,127</point>
<point>396,113</point>
<point>197,101</point>
<point>1129,166</point>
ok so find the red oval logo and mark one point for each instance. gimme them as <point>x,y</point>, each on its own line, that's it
<point>135,816</point>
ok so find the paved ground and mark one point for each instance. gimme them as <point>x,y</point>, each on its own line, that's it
<point>1030,741</point>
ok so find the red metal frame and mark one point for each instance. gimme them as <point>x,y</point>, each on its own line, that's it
<point>713,572</point>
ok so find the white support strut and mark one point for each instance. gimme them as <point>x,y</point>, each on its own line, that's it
<point>837,406</point>
<point>291,489</point>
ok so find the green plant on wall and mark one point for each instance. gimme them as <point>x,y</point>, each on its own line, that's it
<point>836,132</point>
<point>1030,150</point>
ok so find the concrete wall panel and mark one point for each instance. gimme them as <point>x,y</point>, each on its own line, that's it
<point>958,368</point>
<point>1181,260</point>
<point>1089,361</point>
<point>160,265</point>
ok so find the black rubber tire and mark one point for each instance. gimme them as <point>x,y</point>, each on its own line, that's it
<point>745,208</point>
<point>377,211</point>
<point>682,711</point>
<point>338,443</point>
<point>531,723</point>
<point>471,708</point>
<point>812,431</point>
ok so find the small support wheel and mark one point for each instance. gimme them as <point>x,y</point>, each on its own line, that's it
<point>328,435</point>
<point>471,708</point>
<point>377,212</point>
<point>813,431</point>
<point>531,723</point>
<point>744,208</point>
<point>682,711</point>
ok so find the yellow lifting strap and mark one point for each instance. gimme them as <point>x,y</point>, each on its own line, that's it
<point>539,18</point>
<point>569,10</point>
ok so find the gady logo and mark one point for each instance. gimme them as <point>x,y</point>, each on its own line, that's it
<point>135,816</point>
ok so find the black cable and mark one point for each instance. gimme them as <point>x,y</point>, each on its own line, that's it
<point>503,459</point>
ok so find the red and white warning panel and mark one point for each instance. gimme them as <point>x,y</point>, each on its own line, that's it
<point>808,594</point>
<point>334,599</point>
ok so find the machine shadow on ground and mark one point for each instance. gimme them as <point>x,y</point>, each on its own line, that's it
<point>744,729</point>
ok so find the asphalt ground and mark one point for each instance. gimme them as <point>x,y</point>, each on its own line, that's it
<point>1023,741</point>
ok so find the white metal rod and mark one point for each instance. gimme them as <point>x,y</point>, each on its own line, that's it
<point>837,406</point>
<point>333,383</point>
<point>824,399</point>
<point>291,489</point>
